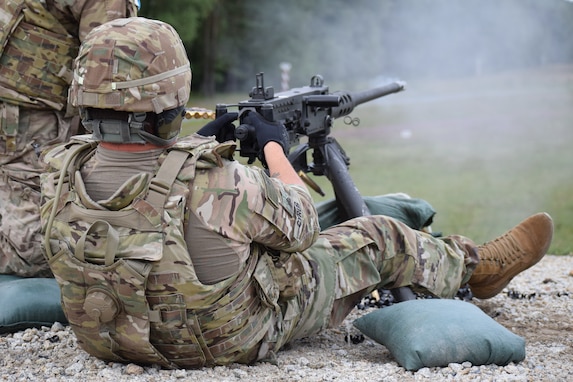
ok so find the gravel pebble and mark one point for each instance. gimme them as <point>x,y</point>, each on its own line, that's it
<point>537,305</point>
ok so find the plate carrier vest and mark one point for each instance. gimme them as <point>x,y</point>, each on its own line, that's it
<point>36,56</point>
<point>128,288</point>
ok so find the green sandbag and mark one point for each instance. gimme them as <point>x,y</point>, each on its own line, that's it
<point>29,303</point>
<point>437,332</point>
<point>415,213</point>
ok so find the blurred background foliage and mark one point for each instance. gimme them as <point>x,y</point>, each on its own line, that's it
<point>349,41</point>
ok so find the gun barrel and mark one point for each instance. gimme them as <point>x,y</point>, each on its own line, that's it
<point>350,100</point>
<point>369,95</point>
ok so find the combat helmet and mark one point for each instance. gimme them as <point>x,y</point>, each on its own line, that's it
<point>131,81</point>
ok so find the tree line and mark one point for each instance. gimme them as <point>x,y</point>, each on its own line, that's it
<point>229,41</point>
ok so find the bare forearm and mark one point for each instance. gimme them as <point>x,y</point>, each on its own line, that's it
<point>279,166</point>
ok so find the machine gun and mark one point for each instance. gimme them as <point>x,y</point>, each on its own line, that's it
<point>310,111</point>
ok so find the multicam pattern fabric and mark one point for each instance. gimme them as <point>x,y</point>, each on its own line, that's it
<point>37,58</point>
<point>151,68</point>
<point>20,170</point>
<point>131,294</point>
<point>37,47</point>
<point>39,44</point>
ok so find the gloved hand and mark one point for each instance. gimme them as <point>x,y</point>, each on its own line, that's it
<point>266,132</point>
<point>222,127</point>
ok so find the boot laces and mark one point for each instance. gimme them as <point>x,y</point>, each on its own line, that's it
<point>503,250</point>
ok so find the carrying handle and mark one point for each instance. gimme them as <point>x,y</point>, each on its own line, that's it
<point>104,229</point>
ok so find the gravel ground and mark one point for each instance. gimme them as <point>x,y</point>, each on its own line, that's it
<point>537,305</point>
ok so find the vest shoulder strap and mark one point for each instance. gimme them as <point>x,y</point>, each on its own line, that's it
<point>161,183</point>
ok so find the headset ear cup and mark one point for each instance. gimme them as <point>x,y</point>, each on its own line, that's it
<point>168,123</point>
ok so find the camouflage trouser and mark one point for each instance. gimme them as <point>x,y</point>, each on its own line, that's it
<point>354,258</point>
<point>23,134</point>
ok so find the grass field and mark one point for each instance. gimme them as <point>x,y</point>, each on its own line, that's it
<point>486,152</point>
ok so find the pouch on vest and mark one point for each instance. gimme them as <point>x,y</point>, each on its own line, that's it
<point>9,120</point>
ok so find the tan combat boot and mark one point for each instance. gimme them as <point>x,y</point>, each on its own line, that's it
<point>503,258</point>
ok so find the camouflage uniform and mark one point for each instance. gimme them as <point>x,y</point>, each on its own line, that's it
<point>125,261</point>
<point>38,42</point>
<point>292,281</point>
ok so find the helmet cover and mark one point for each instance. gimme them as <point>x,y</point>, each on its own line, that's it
<point>131,64</point>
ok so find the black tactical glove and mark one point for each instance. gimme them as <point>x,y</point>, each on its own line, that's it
<point>222,127</point>
<point>266,132</point>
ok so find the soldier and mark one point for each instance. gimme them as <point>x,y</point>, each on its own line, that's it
<point>38,41</point>
<point>169,252</point>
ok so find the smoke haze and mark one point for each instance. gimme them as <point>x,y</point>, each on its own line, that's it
<point>347,41</point>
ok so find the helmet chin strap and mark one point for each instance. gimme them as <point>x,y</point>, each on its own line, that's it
<point>156,140</point>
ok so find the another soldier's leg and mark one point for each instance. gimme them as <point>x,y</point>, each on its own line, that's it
<point>381,252</point>
<point>20,251</point>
